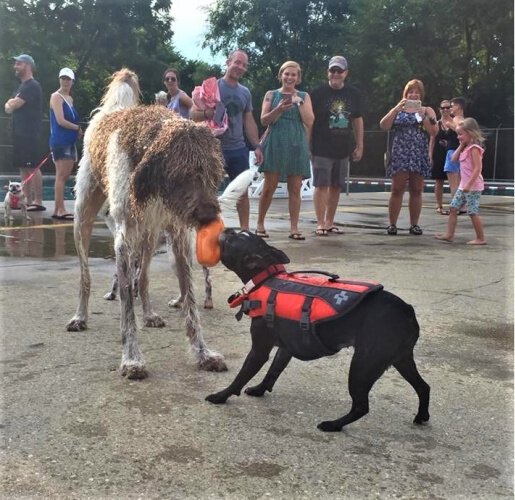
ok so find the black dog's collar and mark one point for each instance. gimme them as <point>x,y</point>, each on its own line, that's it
<point>237,298</point>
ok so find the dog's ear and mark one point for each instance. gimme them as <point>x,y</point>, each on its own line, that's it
<point>279,256</point>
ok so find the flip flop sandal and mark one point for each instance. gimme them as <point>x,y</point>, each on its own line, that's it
<point>35,208</point>
<point>416,230</point>
<point>262,234</point>
<point>63,217</point>
<point>391,230</point>
<point>297,237</point>
<point>334,230</point>
<point>321,232</point>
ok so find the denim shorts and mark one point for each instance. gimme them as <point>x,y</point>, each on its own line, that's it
<point>236,161</point>
<point>68,152</point>
<point>471,199</point>
<point>329,172</point>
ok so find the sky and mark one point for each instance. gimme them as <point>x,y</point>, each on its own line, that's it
<point>189,27</point>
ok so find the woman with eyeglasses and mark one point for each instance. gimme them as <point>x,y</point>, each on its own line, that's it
<point>412,124</point>
<point>439,145</point>
<point>177,100</point>
<point>452,121</point>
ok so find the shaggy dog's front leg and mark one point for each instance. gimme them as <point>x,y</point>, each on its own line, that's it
<point>133,364</point>
<point>181,246</point>
<point>150,318</point>
<point>89,200</point>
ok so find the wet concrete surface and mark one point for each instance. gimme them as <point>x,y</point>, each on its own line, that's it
<point>72,427</point>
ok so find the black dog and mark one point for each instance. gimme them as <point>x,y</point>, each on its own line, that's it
<point>382,328</point>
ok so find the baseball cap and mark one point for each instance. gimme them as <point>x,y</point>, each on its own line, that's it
<point>24,58</point>
<point>67,72</point>
<point>339,62</point>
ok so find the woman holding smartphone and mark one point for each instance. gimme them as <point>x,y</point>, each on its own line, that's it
<point>288,114</point>
<point>412,125</point>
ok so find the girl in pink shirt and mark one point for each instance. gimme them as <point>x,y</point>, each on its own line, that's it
<point>470,154</point>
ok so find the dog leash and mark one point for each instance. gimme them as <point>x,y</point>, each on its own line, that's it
<point>39,165</point>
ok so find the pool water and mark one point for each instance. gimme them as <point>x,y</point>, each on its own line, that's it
<point>355,186</point>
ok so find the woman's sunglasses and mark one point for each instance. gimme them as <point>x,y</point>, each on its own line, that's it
<point>170,79</point>
<point>445,107</point>
<point>336,70</point>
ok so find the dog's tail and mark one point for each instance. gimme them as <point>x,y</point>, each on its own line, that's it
<point>122,92</point>
<point>235,189</point>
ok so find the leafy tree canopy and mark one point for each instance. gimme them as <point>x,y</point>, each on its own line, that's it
<point>94,38</point>
<point>456,48</point>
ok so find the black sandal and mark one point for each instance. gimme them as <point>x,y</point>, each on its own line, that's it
<point>391,230</point>
<point>416,230</point>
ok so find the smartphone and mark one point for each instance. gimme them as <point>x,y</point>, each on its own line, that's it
<point>287,98</point>
<point>413,104</point>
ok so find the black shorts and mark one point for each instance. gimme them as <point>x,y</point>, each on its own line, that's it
<point>25,152</point>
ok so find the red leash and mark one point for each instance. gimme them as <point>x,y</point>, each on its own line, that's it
<point>39,165</point>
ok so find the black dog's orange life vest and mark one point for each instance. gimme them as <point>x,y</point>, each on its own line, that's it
<point>295,303</point>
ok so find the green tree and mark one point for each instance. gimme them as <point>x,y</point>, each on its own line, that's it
<point>459,47</point>
<point>93,38</point>
<point>274,31</point>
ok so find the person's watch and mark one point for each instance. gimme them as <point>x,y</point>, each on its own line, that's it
<point>257,146</point>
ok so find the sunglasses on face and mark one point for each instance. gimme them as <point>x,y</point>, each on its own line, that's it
<point>170,79</point>
<point>336,70</point>
<point>445,107</point>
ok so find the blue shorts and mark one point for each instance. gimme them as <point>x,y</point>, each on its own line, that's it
<point>68,152</point>
<point>471,199</point>
<point>451,167</point>
<point>236,161</point>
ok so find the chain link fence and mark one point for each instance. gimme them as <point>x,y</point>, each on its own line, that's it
<point>497,161</point>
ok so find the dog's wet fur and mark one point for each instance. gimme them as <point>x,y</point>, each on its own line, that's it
<point>382,328</point>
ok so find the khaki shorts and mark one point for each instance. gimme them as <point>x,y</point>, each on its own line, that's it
<point>329,171</point>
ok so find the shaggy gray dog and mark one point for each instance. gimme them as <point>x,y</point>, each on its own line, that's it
<point>157,172</point>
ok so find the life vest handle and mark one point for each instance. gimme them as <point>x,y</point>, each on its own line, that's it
<point>332,276</point>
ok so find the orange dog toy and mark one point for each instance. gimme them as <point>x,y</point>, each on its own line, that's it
<point>208,248</point>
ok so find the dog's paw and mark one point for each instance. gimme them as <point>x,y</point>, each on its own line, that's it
<point>177,303</point>
<point>110,296</point>
<point>208,303</point>
<point>421,418</point>
<point>330,426</point>
<point>154,321</point>
<point>218,398</point>
<point>212,362</point>
<point>257,391</point>
<point>133,371</point>
<point>76,325</point>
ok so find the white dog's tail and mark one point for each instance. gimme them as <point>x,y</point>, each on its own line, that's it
<point>235,189</point>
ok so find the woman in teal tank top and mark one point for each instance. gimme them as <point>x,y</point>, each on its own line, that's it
<point>288,114</point>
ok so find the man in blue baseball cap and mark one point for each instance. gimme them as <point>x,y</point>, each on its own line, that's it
<point>25,108</point>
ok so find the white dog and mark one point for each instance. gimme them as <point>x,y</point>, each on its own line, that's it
<point>158,173</point>
<point>15,198</point>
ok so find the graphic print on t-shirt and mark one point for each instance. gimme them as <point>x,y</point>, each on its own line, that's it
<point>338,115</point>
